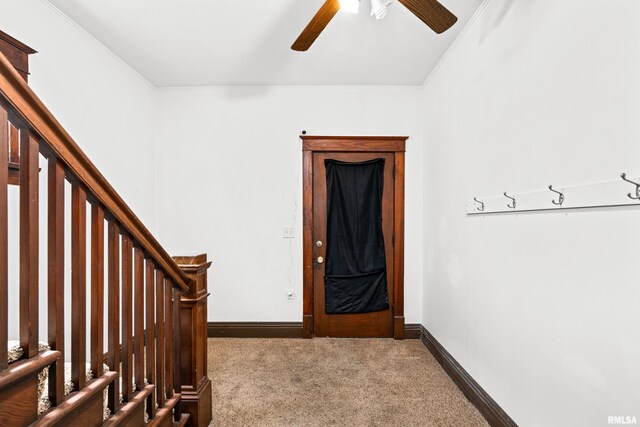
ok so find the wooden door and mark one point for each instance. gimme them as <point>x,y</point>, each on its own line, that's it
<point>373,324</point>
<point>386,323</point>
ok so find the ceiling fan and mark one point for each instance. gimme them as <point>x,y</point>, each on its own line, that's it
<point>431,12</point>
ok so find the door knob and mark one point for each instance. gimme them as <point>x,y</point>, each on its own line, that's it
<point>319,243</point>
<point>320,260</point>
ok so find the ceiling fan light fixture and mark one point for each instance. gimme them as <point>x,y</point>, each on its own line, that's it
<point>379,8</point>
<point>350,6</point>
<point>431,12</point>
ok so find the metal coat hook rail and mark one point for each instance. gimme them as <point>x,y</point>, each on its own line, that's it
<point>560,197</point>
<point>513,201</point>
<point>637,196</point>
<point>614,193</point>
<point>481,207</point>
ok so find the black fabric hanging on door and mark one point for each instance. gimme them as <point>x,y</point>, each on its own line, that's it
<point>356,269</point>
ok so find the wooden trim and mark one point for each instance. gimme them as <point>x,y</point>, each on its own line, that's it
<point>138,317</point>
<point>191,378</point>
<point>150,355</point>
<point>55,296</point>
<point>412,331</point>
<point>168,340</point>
<point>31,110</point>
<point>307,326</point>
<point>196,264</point>
<point>164,416</point>
<point>4,239</point>
<point>97,289</point>
<point>16,43</point>
<point>314,144</point>
<point>177,348</point>
<point>113,311</point>
<point>353,138</point>
<point>26,367</point>
<point>307,242</point>
<point>277,330</point>
<point>76,405</point>
<point>488,407</point>
<point>398,247</point>
<point>132,412</point>
<point>126,318</point>
<point>160,356</point>
<point>19,388</point>
<point>17,52</point>
<point>29,242</point>
<point>354,143</point>
<point>254,329</point>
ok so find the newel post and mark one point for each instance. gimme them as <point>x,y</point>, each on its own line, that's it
<point>196,386</point>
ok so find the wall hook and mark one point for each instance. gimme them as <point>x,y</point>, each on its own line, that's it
<point>637,197</point>
<point>560,196</point>
<point>512,199</point>
<point>481,207</point>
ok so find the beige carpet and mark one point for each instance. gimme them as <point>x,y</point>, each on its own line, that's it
<point>332,382</point>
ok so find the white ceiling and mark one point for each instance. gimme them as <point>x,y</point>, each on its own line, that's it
<point>247,42</point>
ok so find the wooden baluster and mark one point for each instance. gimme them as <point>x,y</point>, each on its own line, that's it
<point>177,383</point>
<point>160,337</point>
<point>14,149</point>
<point>113,317</point>
<point>14,155</point>
<point>55,254</point>
<point>127,350</point>
<point>78,285</point>
<point>29,157</point>
<point>168,322</point>
<point>139,316</point>
<point>97,289</point>
<point>150,346</point>
<point>4,239</point>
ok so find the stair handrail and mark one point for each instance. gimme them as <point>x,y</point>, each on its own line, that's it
<point>27,109</point>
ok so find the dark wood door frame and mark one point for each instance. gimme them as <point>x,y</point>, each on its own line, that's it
<point>383,144</point>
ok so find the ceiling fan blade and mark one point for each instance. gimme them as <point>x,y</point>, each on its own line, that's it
<point>432,13</point>
<point>317,24</point>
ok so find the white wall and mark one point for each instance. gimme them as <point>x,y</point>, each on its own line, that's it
<point>229,167</point>
<point>105,106</point>
<point>541,309</point>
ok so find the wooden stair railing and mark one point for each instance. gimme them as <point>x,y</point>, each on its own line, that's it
<point>142,295</point>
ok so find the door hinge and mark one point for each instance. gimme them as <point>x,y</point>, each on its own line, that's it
<point>393,239</point>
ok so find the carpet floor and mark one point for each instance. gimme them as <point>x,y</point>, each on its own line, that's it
<point>332,382</point>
